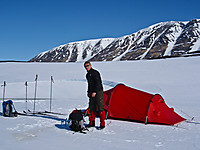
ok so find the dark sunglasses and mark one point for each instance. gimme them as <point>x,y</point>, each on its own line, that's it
<point>87,66</point>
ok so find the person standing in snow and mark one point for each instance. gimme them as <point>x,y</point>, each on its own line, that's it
<point>95,94</point>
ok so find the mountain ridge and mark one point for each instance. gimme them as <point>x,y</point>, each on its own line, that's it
<point>161,40</point>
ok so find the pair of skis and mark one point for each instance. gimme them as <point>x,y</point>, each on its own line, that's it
<point>44,112</point>
<point>35,93</point>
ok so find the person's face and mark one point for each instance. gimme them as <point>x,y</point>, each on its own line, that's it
<point>88,67</point>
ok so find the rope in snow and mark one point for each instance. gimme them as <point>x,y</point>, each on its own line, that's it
<point>190,118</point>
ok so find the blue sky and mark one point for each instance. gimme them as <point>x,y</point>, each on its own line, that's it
<point>29,27</point>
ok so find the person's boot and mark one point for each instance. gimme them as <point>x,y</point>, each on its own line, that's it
<point>91,120</point>
<point>102,119</point>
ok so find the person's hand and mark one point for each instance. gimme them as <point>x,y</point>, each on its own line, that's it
<point>94,94</point>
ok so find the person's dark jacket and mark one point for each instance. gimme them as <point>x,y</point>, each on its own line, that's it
<point>94,81</point>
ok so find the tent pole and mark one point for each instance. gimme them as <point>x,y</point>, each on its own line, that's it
<point>146,120</point>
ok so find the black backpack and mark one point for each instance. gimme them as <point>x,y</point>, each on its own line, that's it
<point>76,121</point>
<point>8,109</point>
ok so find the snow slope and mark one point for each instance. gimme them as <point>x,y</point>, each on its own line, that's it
<point>177,80</point>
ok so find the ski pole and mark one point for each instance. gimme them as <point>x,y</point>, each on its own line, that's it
<point>26,84</point>
<point>4,89</point>
<point>36,78</point>
<point>51,89</point>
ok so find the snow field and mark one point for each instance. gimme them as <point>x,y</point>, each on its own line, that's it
<point>177,80</point>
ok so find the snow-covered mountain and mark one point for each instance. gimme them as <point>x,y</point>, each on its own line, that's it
<point>165,39</point>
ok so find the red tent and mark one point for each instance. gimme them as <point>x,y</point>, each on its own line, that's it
<point>122,102</point>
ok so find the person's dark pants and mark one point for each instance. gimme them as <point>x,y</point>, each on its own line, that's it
<point>97,104</point>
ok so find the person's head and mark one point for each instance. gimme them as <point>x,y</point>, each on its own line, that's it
<point>87,65</point>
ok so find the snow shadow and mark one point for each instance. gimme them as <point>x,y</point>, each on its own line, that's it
<point>193,122</point>
<point>50,117</point>
<point>110,83</point>
<point>63,126</point>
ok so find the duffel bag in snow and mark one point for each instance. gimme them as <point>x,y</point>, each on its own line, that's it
<point>8,109</point>
<point>76,120</point>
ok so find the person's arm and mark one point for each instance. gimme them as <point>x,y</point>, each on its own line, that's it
<point>97,82</point>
